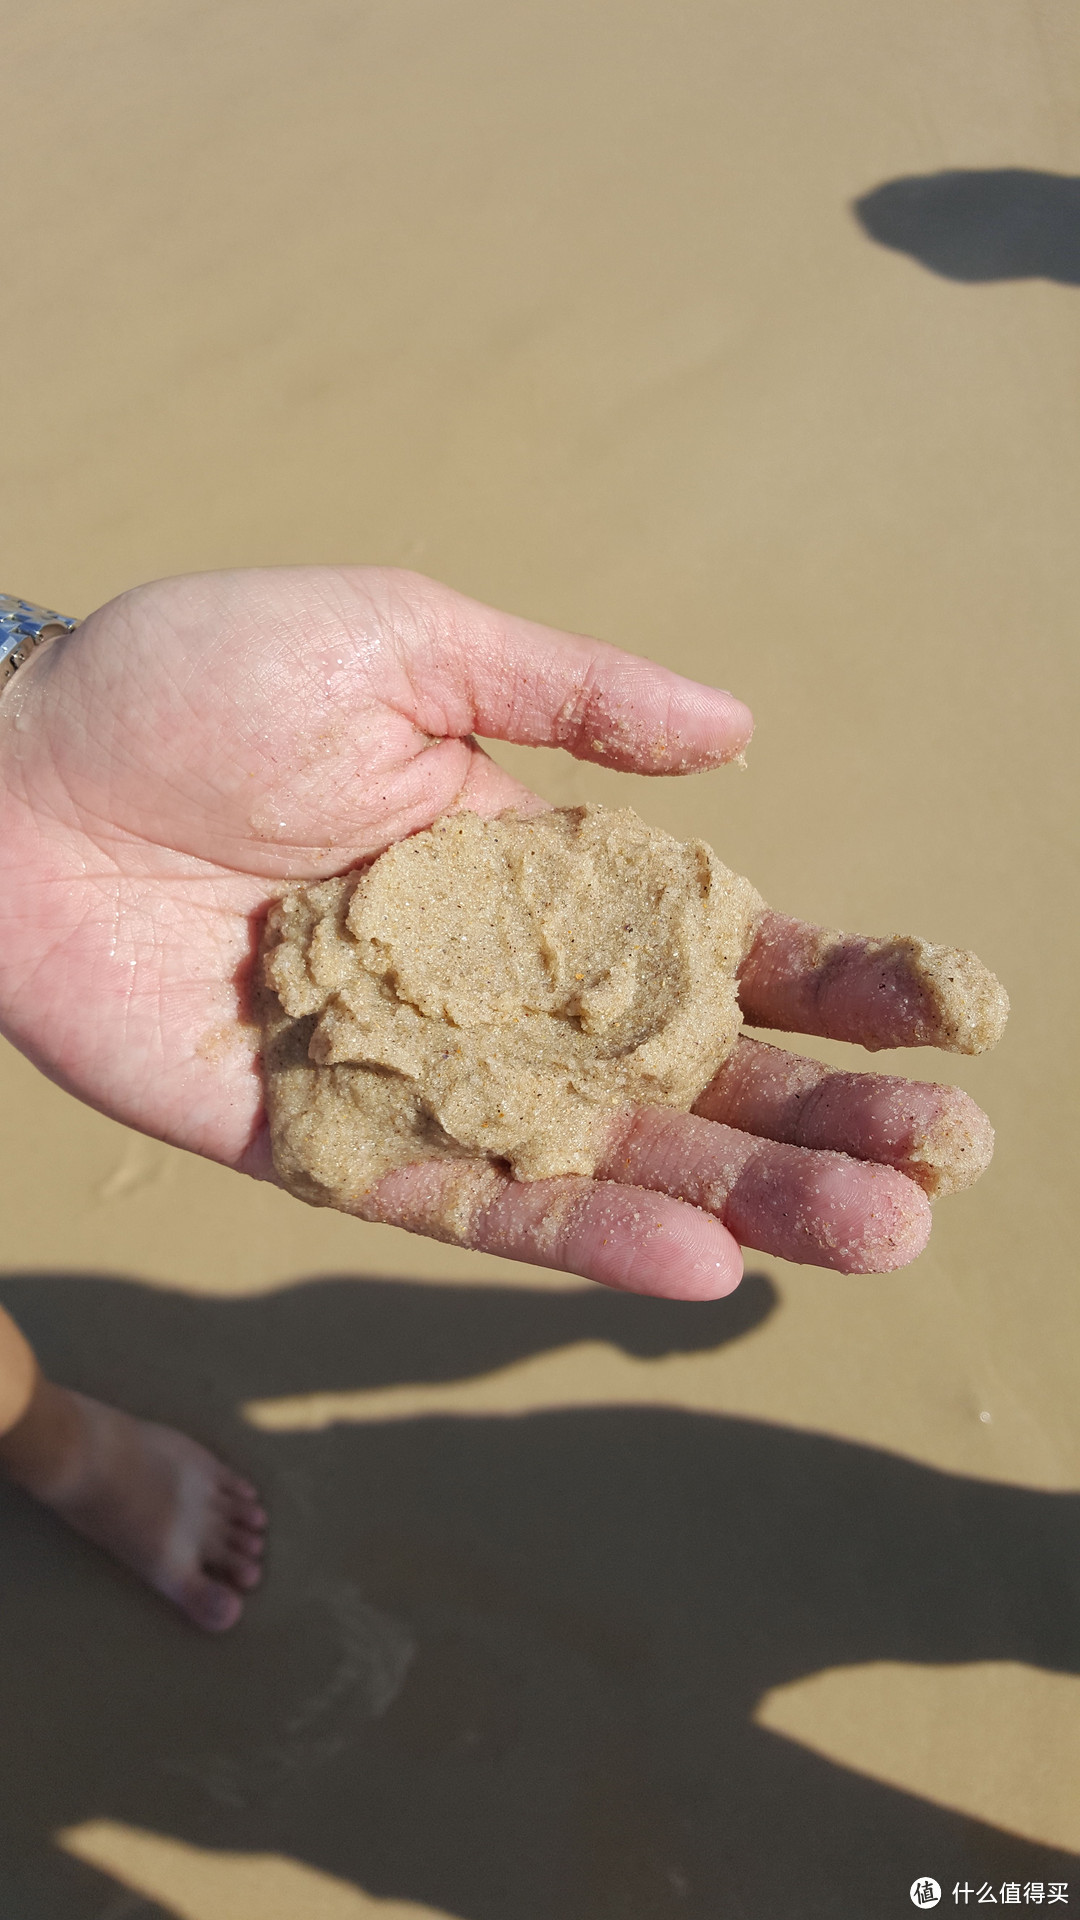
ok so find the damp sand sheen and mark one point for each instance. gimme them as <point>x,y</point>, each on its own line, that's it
<point>500,989</point>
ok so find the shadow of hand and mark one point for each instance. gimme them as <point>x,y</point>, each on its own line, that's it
<point>507,1667</point>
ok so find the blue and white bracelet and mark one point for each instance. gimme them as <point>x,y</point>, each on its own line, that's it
<point>24,628</point>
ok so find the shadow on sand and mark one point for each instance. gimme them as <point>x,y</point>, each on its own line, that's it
<point>1006,223</point>
<point>504,1667</point>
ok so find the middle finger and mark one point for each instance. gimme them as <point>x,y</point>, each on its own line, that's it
<point>935,1134</point>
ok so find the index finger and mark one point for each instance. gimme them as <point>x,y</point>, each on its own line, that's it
<point>894,992</point>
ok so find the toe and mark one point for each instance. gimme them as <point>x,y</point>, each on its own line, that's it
<point>247,1540</point>
<point>235,1487</point>
<point>239,1510</point>
<point>210,1602</point>
<point>245,1513</point>
<point>238,1566</point>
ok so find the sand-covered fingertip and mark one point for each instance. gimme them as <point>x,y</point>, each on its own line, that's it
<point>956,1147</point>
<point>868,1219</point>
<point>880,992</point>
<point>967,1006</point>
<point>827,1210</point>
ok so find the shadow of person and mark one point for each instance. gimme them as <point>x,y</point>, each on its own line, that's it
<point>505,1667</point>
<point>978,224</point>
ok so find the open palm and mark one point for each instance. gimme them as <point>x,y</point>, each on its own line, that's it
<point>199,744</point>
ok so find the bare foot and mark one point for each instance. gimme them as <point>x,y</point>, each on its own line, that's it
<point>151,1496</point>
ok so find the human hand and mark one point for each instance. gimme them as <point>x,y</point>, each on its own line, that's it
<point>200,744</point>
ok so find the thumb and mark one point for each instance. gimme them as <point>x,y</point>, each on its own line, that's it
<point>473,669</point>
